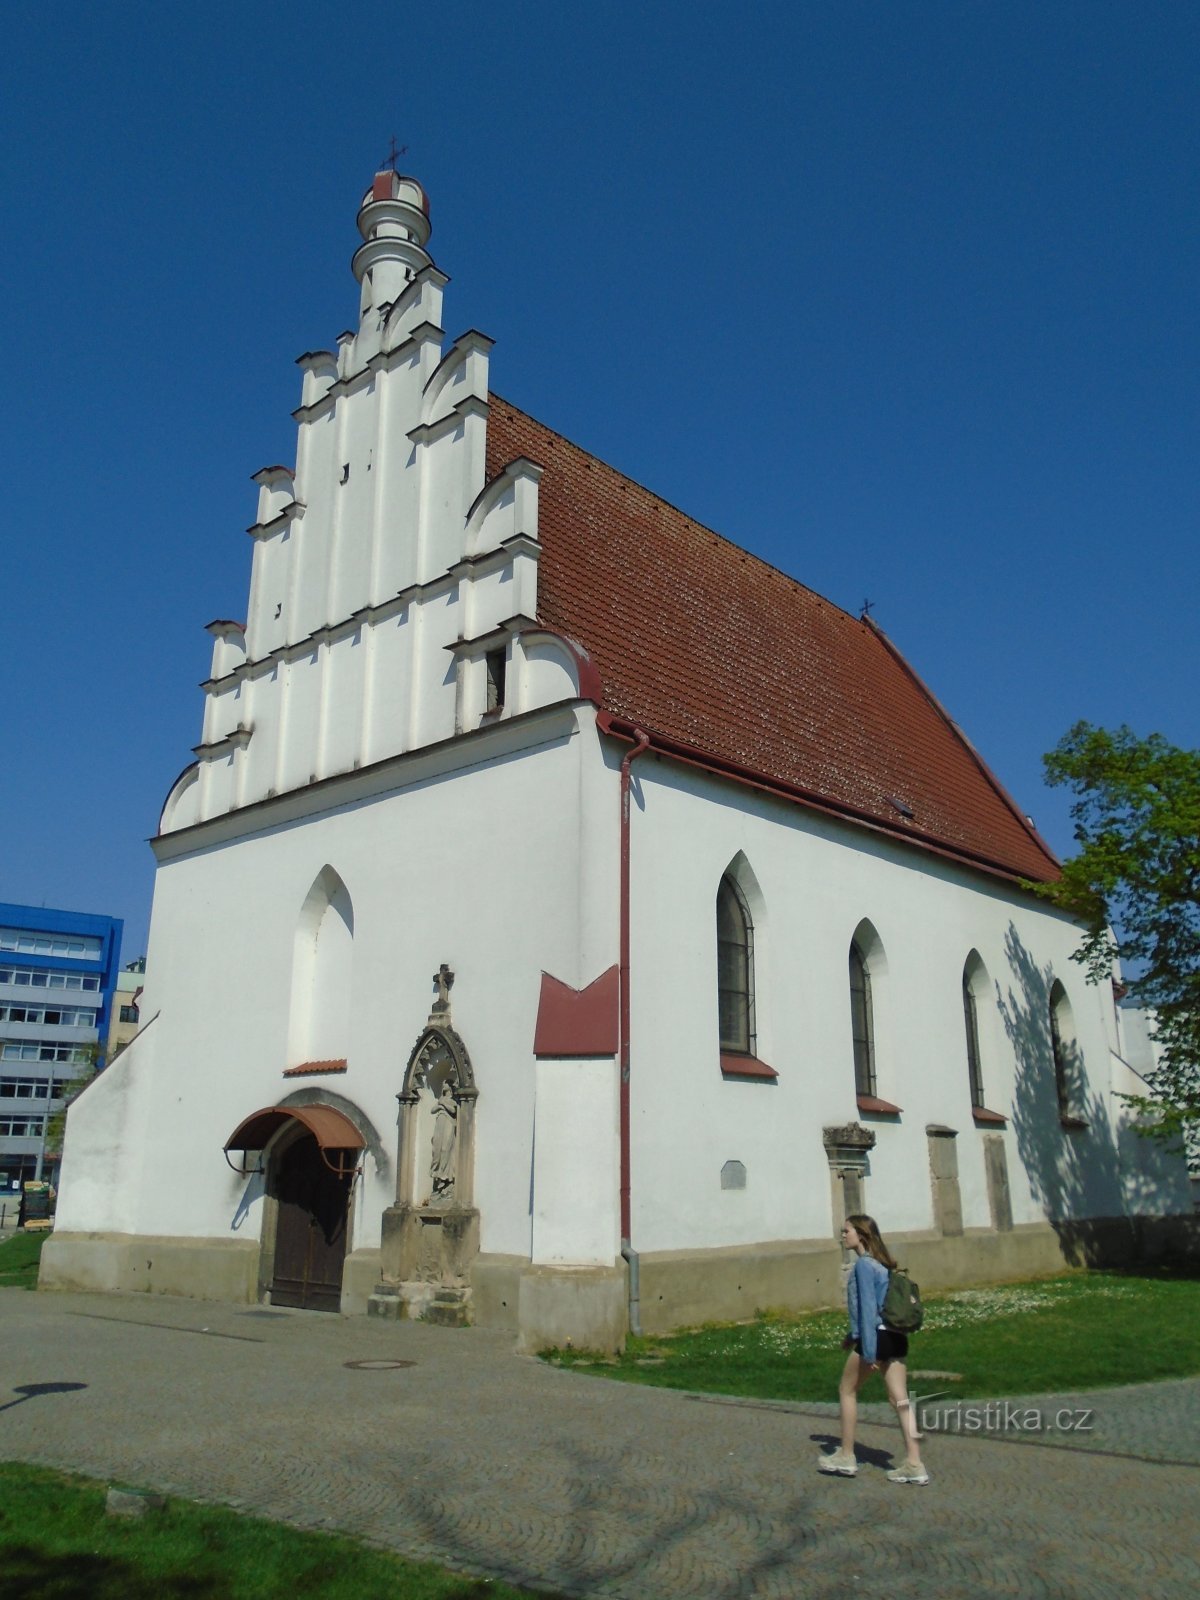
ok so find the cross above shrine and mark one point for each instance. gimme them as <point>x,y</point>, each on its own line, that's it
<point>443,982</point>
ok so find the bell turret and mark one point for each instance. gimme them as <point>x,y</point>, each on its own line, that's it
<point>394,222</point>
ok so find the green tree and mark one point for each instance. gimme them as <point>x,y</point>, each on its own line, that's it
<point>68,1091</point>
<point>1135,886</point>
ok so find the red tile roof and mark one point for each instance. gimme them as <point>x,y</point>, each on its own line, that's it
<point>712,650</point>
<point>311,1069</point>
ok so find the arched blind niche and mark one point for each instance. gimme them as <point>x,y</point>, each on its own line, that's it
<point>1064,1048</point>
<point>322,973</point>
<point>974,995</point>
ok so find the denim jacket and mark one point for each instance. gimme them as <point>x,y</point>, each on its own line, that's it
<point>865,1289</point>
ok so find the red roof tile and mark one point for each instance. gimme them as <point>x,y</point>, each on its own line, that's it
<point>708,647</point>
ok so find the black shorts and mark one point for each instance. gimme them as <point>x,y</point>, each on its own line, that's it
<point>889,1346</point>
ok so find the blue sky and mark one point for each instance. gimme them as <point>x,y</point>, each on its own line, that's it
<point>902,297</point>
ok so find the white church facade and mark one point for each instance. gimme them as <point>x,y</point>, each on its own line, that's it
<point>567,917</point>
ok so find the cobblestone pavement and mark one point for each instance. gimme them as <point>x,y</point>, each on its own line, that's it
<point>497,1464</point>
<point>1156,1422</point>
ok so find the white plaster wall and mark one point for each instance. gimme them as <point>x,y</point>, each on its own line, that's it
<point>1154,1176</point>
<point>181,807</point>
<point>341,733</point>
<point>350,556</point>
<point>108,1130</point>
<point>287,706</point>
<point>262,627</point>
<point>390,464</point>
<point>542,675</point>
<point>819,880</point>
<point>218,779</point>
<point>576,1163</point>
<point>389,688</point>
<point>479,869</point>
<point>221,712</point>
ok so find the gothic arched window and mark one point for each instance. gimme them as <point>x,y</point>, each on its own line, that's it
<point>1065,1051</point>
<point>971,982</point>
<point>862,1022</point>
<point>735,969</point>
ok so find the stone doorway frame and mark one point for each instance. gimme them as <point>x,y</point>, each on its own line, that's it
<point>287,1135</point>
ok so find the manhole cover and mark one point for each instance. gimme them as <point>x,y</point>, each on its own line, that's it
<point>376,1365</point>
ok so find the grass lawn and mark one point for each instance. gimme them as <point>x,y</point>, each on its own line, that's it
<point>19,1257</point>
<point>57,1543</point>
<point>1083,1330</point>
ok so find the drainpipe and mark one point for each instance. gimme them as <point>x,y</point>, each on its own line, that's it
<point>640,741</point>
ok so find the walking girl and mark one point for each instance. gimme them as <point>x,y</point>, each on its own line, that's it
<point>873,1348</point>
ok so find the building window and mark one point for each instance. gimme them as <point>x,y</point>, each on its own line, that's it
<point>43,944</point>
<point>56,1018</point>
<point>16,1170</point>
<point>24,1088</point>
<point>24,977</point>
<point>129,1014</point>
<point>735,969</point>
<point>862,1023</point>
<point>1065,1052</point>
<point>41,1050</point>
<point>496,667</point>
<point>971,1023</point>
<point>22,1127</point>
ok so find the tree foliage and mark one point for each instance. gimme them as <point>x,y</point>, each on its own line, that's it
<point>68,1091</point>
<point>1135,885</point>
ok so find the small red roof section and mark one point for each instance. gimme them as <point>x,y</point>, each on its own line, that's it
<point>578,1022</point>
<point>872,1105</point>
<point>984,1118</point>
<point>739,1066</point>
<point>332,1129</point>
<point>312,1069</point>
<point>707,647</point>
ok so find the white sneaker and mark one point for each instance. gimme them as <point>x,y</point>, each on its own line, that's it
<point>909,1474</point>
<point>840,1462</point>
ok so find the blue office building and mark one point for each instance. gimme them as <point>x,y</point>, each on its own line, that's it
<point>58,974</point>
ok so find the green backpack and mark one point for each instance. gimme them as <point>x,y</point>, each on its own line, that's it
<point>902,1308</point>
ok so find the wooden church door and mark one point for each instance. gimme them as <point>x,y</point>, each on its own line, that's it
<point>310,1232</point>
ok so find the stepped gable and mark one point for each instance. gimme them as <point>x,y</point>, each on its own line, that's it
<point>701,642</point>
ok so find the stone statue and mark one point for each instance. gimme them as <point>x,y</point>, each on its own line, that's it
<point>445,1136</point>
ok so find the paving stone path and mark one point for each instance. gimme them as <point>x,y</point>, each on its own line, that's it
<point>504,1466</point>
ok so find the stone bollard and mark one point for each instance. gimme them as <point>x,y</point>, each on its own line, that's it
<point>133,1502</point>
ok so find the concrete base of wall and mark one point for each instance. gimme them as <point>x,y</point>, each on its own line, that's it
<point>581,1306</point>
<point>359,1277</point>
<point>681,1289</point>
<point>198,1269</point>
<point>979,1255</point>
<point>587,1306</point>
<point>1128,1241</point>
<point>496,1289</point>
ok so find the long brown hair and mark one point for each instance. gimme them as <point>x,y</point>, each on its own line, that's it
<point>867,1230</point>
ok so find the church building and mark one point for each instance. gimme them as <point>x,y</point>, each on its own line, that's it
<point>568,917</point>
